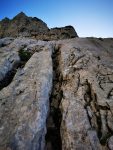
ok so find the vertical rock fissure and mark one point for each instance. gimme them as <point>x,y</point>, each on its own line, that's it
<point>99,119</point>
<point>91,101</point>
<point>53,138</point>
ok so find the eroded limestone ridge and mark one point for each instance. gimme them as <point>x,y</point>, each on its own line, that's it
<point>24,26</point>
<point>56,95</point>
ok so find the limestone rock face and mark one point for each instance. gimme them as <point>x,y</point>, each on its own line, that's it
<point>56,95</point>
<point>24,104</point>
<point>23,26</point>
<point>87,84</point>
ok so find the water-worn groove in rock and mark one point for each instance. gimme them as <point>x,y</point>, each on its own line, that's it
<point>53,138</point>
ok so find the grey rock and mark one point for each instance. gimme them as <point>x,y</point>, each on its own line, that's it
<point>110,143</point>
<point>5,41</point>
<point>24,105</point>
<point>86,105</point>
<point>61,98</point>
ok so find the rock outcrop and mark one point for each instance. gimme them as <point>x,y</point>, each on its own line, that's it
<point>54,95</point>
<point>57,94</point>
<point>24,104</point>
<point>86,105</point>
<point>23,26</point>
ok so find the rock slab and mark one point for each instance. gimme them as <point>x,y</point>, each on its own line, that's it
<point>64,91</point>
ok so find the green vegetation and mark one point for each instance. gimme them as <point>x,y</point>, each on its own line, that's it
<point>24,55</point>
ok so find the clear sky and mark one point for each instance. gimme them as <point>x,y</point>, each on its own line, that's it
<point>89,17</point>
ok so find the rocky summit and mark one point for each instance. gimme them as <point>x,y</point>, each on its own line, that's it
<point>24,26</point>
<point>56,89</point>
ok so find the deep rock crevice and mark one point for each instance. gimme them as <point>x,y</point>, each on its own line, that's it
<point>53,138</point>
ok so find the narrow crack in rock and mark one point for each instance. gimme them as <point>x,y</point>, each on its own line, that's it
<point>53,138</point>
<point>100,115</point>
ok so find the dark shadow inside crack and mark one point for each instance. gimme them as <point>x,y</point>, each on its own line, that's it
<point>53,137</point>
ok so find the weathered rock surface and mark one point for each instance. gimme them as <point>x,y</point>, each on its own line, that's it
<point>87,84</point>
<point>10,59</point>
<point>68,83</point>
<point>24,104</point>
<point>23,26</point>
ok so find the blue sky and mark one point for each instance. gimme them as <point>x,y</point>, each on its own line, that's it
<point>89,17</point>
